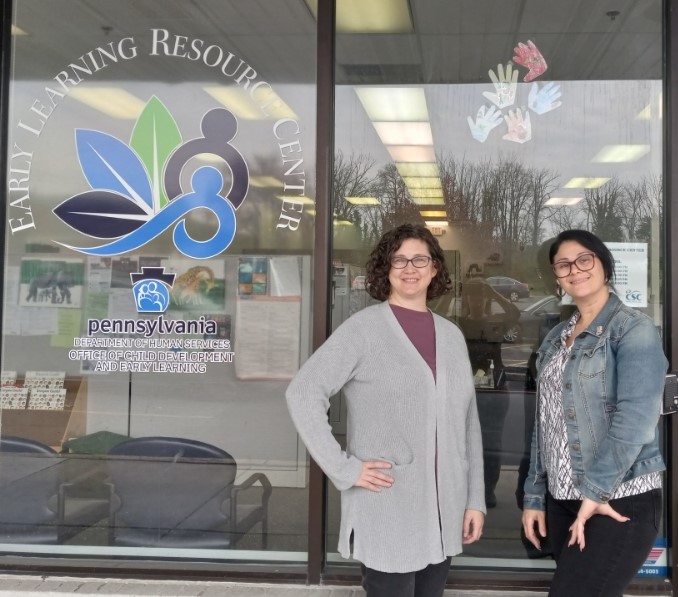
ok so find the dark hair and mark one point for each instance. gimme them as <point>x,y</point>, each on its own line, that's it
<point>379,263</point>
<point>592,243</point>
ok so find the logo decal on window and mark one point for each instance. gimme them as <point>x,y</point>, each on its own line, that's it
<point>136,190</point>
<point>151,288</point>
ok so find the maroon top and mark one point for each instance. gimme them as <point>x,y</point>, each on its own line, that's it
<point>418,325</point>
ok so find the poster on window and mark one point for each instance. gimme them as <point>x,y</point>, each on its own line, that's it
<point>51,282</point>
<point>630,265</point>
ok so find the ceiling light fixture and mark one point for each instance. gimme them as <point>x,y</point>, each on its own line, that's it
<point>112,101</point>
<point>375,16</point>
<point>585,183</point>
<point>563,201</point>
<point>245,106</point>
<point>393,104</point>
<point>621,153</point>
<point>363,200</point>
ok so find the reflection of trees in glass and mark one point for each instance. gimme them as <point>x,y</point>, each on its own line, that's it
<point>641,206</point>
<point>353,178</point>
<point>603,207</point>
<point>619,211</point>
<point>396,205</point>
<point>502,203</point>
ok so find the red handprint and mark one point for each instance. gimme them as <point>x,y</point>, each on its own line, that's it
<point>530,57</point>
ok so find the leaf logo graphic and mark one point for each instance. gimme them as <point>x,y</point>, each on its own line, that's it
<point>128,200</point>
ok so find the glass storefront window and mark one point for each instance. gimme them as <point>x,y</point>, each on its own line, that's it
<point>498,125</point>
<point>157,269</point>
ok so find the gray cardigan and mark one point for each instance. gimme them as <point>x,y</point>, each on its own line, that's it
<point>395,410</point>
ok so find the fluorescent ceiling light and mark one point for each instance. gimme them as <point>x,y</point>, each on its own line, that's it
<point>265,181</point>
<point>394,104</point>
<point>427,200</point>
<point>422,182</point>
<point>563,201</point>
<point>433,223</point>
<point>18,31</point>
<point>649,110</point>
<point>645,113</point>
<point>404,133</point>
<point>426,193</point>
<point>412,153</point>
<point>310,211</point>
<point>585,183</point>
<point>621,153</point>
<point>209,158</point>
<point>433,213</point>
<point>245,106</point>
<point>297,199</point>
<point>343,223</point>
<point>373,16</point>
<point>417,169</point>
<point>112,101</point>
<point>363,200</point>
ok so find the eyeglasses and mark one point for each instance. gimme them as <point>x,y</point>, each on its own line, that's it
<point>418,261</point>
<point>584,263</point>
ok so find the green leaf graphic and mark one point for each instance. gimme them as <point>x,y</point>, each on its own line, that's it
<point>154,138</point>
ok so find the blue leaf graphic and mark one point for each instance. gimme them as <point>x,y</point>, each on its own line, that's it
<point>109,164</point>
<point>101,214</point>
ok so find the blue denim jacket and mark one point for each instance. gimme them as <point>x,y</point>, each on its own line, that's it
<point>612,392</point>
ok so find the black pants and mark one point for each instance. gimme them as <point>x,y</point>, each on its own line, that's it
<point>492,410</point>
<point>614,550</point>
<point>429,582</point>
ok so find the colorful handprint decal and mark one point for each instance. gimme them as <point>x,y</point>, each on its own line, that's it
<point>136,191</point>
<point>486,120</point>
<point>529,56</point>
<point>540,100</point>
<point>505,84</point>
<point>544,99</point>
<point>519,126</point>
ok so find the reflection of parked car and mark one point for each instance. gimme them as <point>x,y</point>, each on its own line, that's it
<point>358,283</point>
<point>534,320</point>
<point>508,287</point>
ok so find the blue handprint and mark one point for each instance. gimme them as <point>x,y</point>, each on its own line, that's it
<point>486,120</point>
<point>545,99</point>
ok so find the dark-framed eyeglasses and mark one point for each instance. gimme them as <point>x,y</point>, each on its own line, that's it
<point>584,263</point>
<point>418,261</point>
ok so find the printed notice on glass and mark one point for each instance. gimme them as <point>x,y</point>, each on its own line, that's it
<point>267,338</point>
<point>630,264</point>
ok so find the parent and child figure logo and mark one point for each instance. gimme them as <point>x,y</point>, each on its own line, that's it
<point>540,99</point>
<point>136,192</point>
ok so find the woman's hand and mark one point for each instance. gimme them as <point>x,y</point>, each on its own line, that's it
<point>473,526</point>
<point>532,519</point>
<point>587,509</point>
<point>370,477</point>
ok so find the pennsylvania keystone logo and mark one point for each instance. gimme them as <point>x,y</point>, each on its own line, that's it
<point>136,191</point>
<point>151,289</point>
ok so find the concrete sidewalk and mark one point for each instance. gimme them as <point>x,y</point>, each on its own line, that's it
<point>57,586</point>
<point>38,586</point>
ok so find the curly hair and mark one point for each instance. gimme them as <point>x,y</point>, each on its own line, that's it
<point>378,265</point>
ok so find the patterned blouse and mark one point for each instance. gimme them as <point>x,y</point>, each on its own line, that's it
<point>554,433</point>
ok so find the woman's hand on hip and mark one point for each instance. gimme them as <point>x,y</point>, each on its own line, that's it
<point>587,509</point>
<point>473,526</point>
<point>371,478</point>
<point>534,520</point>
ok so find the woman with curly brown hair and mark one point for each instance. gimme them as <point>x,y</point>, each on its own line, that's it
<point>411,476</point>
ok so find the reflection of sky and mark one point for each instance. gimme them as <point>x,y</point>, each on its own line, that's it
<point>593,114</point>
